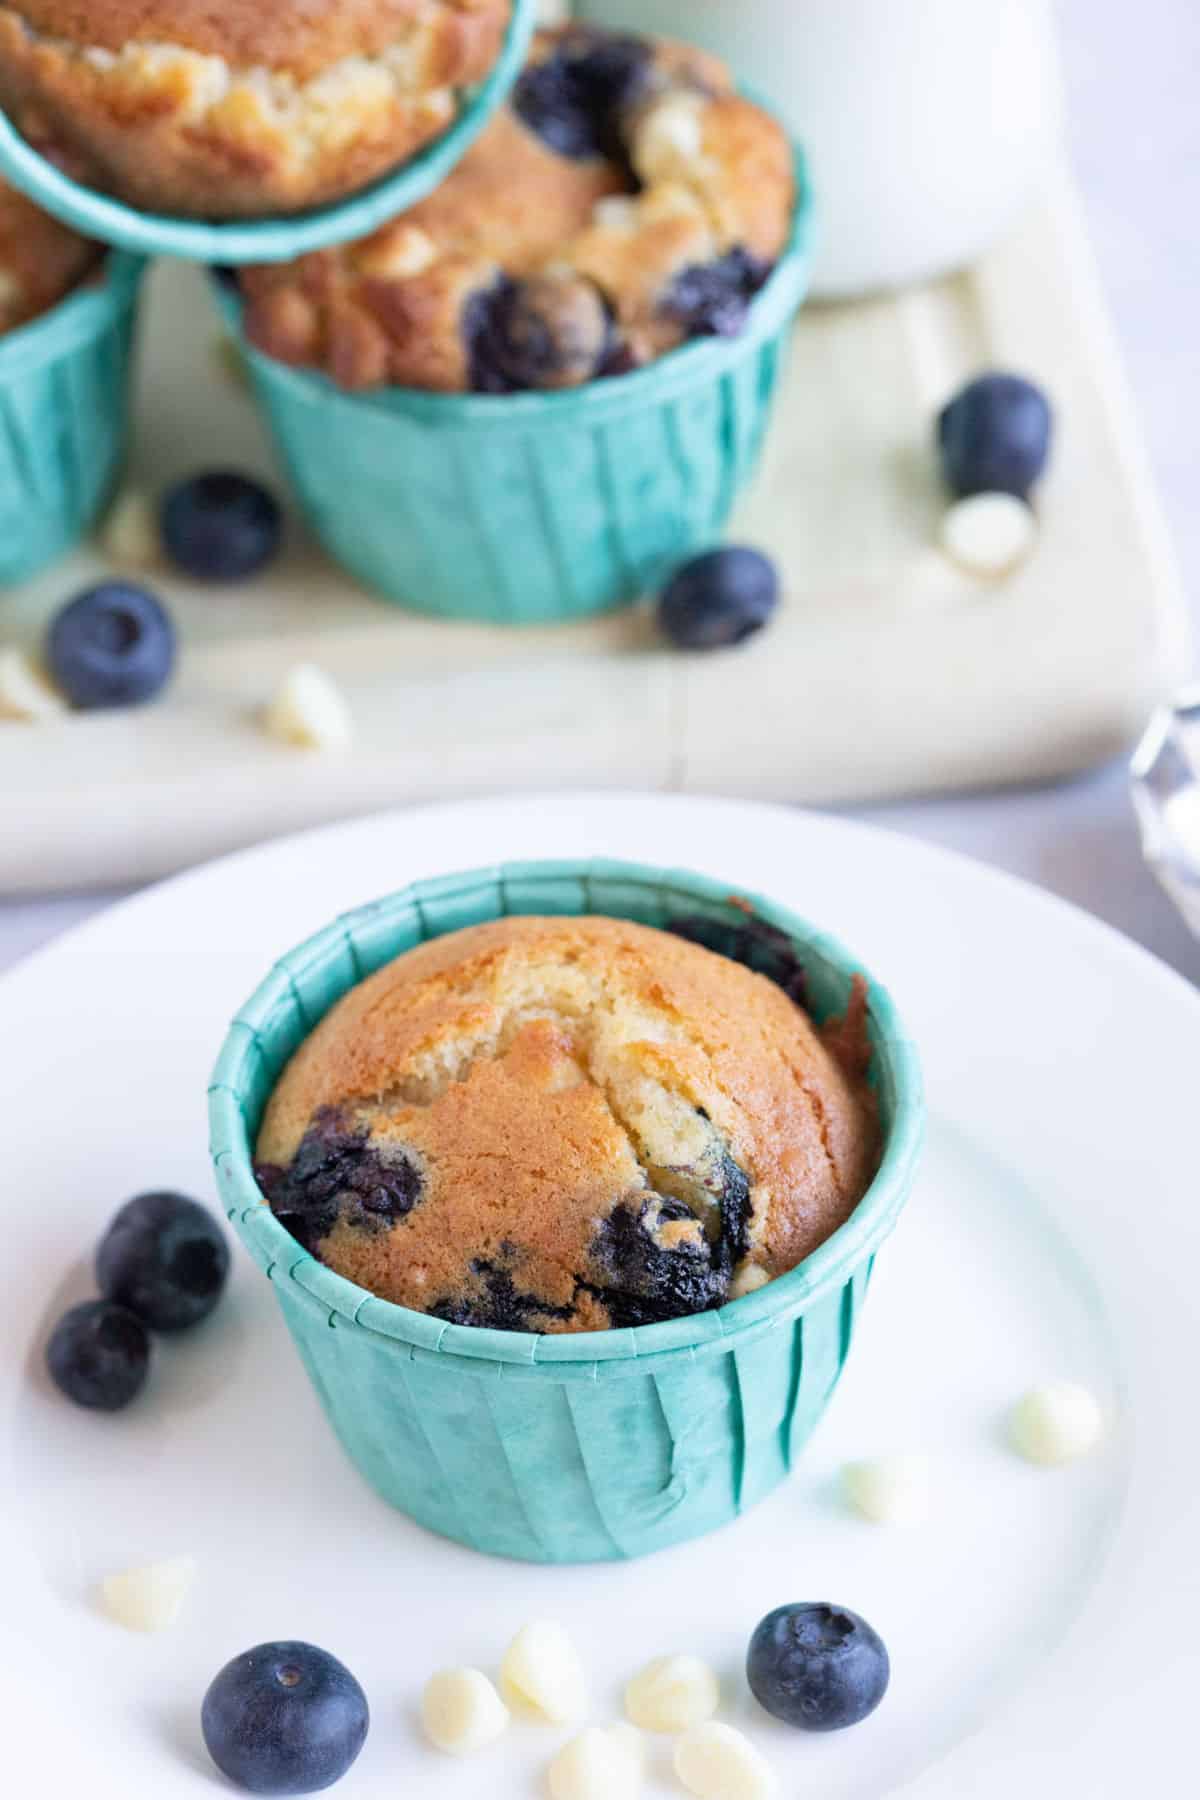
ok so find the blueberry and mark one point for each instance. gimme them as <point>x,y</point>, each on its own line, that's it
<point>165,1258</point>
<point>819,1668</point>
<point>553,331</point>
<point>573,99</point>
<point>994,436</point>
<point>221,526</point>
<point>284,1718</point>
<point>718,599</point>
<point>98,1355</point>
<point>338,1173</point>
<point>713,299</point>
<point>111,646</point>
<point>644,1282</point>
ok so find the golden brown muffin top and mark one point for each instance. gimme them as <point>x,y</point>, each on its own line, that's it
<point>568,1107</point>
<point>302,36</point>
<point>40,260</point>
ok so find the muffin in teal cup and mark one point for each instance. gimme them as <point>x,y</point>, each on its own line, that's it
<point>526,398</point>
<point>569,1179</point>
<point>67,317</point>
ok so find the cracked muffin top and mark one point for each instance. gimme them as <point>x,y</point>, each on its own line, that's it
<point>566,1124</point>
<point>226,109</point>
<point>41,261</point>
<point>627,199</point>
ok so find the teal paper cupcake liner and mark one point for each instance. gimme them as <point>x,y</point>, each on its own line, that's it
<point>530,508</point>
<point>110,221</point>
<point>64,417</point>
<point>581,1447</point>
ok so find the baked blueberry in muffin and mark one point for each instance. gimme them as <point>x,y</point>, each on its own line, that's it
<point>41,261</point>
<point>566,1124</point>
<point>225,109</point>
<point>626,200</point>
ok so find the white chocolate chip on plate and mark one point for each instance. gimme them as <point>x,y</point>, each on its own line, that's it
<point>1056,1424</point>
<point>989,534</point>
<point>597,1765</point>
<point>889,1490</point>
<point>462,1712</point>
<point>715,1762</point>
<point>672,1693</point>
<point>541,1673</point>
<point>25,693</point>
<point>130,535</point>
<point>309,711</point>
<point>149,1598</point>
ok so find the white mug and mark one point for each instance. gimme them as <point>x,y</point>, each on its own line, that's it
<point>927,122</point>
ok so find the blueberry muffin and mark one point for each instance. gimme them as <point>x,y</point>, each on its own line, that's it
<point>228,109</point>
<point>567,1124</point>
<point>41,261</point>
<point>626,200</point>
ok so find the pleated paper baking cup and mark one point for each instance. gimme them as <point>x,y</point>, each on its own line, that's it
<point>529,508</point>
<point>110,221</point>
<point>64,417</point>
<point>588,1446</point>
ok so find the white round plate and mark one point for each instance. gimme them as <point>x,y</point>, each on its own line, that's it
<point>1043,1626</point>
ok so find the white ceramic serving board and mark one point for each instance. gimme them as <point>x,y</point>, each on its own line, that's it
<point>888,672</point>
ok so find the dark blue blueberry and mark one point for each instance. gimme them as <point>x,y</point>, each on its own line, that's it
<point>819,1668</point>
<point>713,299</point>
<point>221,526</point>
<point>500,1305</point>
<point>284,1718</point>
<point>548,332</point>
<point>98,1355</point>
<point>111,646</point>
<point>719,599</point>
<point>641,1282</point>
<point>751,941</point>
<point>337,1173</point>
<point>165,1258</point>
<point>574,98</point>
<point>995,435</point>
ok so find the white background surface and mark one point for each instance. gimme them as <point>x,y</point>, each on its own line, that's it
<point>1135,140</point>
<point>1009,1616</point>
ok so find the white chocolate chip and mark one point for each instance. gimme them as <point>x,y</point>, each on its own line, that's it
<point>715,1762</point>
<point>989,534</point>
<point>890,1490</point>
<point>25,694</point>
<point>673,1693</point>
<point>1056,1424</point>
<point>597,1765</point>
<point>309,711</point>
<point>462,1712</point>
<point>669,137</point>
<point>748,1280</point>
<point>398,254</point>
<point>130,535</point>
<point>542,1674</point>
<point>615,212</point>
<point>150,1598</point>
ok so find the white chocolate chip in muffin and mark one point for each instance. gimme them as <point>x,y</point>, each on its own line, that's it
<point>889,1490</point>
<point>597,1765</point>
<point>398,254</point>
<point>130,535</point>
<point>25,693</point>
<point>308,711</point>
<point>616,212</point>
<point>462,1712</point>
<point>672,1694</point>
<point>989,534</point>
<point>715,1762</point>
<point>1056,1424</point>
<point>541,1673</point>
<point>669,137</point>
<point>149,1598</point>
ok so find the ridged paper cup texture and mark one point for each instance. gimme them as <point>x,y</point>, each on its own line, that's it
<point>64,417</point>
<point>587,1446</point>
<point>525,509</point>
<point>109,220</point>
